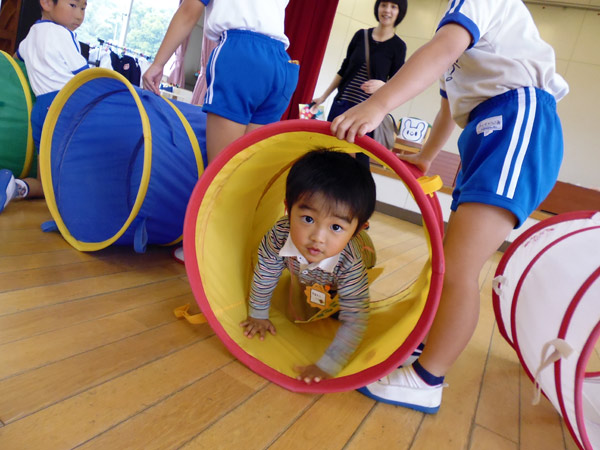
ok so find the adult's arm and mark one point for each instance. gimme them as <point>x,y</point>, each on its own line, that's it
<point>337,79</point>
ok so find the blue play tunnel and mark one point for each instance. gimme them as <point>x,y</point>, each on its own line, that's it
<point>118,163</point>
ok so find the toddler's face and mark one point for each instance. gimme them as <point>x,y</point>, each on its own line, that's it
<point>68,13</point>
<point>320,230</point>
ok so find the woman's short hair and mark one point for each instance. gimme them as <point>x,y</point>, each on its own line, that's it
<point>402,6</point>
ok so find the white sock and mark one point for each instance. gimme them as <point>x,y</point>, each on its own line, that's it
<point>406,376</point>
<point>22,189</point>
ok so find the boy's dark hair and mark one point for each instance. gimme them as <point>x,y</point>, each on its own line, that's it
<point>402,6</point>
<point>336,175</point>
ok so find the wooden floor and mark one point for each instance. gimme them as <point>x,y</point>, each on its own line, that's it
<point>91,356</point>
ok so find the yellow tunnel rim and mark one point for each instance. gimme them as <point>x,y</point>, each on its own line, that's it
<point>195,147</point>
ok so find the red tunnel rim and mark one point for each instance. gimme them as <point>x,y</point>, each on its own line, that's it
<point>427,204</point>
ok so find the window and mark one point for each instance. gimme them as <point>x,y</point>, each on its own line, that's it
<point>136,24</point>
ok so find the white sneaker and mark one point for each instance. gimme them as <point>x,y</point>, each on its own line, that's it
<point>178,254</point>
<point>7,187</point>
<point>401,388</point>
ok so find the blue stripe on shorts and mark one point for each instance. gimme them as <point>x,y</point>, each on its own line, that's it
<point>511,151</point>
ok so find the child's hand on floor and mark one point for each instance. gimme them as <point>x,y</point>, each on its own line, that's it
<point>257,326</point>
<point>311,373</point>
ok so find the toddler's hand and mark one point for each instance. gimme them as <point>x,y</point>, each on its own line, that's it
<point>311,373</point>
<point>257,326</point>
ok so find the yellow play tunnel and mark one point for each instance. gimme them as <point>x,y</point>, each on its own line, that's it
<point>237,200</point>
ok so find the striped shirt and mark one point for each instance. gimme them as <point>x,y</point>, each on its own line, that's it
<point>348,277</point>
<point>352,92</point>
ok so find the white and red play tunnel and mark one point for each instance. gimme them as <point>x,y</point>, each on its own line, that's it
<point>547,304</point>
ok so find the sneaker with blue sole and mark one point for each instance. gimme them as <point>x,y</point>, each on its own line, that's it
<point>426,399</point>
<point>7,188</point>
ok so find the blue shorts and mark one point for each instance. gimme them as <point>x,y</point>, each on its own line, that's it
<point>38,116</point>
<point>511,151</point>
<point>250,78</point>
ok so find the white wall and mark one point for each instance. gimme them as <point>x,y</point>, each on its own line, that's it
<point>574,34</point>
<point>192,55</point>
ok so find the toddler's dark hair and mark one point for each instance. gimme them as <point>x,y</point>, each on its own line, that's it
<point>402,6</point>
<point>336,175</point>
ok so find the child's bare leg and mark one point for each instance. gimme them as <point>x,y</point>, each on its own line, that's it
<point>252,127</point>
<point>35,187</point>
<point>475,231</point>
<point>220,132</point>
<point>35,184</point>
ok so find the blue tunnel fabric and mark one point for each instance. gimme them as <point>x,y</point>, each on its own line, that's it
<point>97,162</point>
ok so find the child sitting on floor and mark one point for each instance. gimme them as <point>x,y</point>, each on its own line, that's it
<point>329,198</point>
<point>52,57</point>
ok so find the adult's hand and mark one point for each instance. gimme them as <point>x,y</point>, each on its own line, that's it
<point>371,86</point>
<point>316,102</point>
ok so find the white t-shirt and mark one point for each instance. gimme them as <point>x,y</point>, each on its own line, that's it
<point>506,53</point>
<point>261,16</point>
<point>52,56</point>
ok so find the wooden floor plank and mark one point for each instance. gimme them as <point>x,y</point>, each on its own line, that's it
<point>390,284</point>
<point>406,253</point>
<point>39,296</point>
<point>498,409</point>
<point>39,260</point>
<point>328,424</point>
<point>58,274</point>
<point>26,215</point>
<point>182,416</point>
<point>252,425</point>
<point>42,320</point>
<point>485,439</point>
<point>540,424</point>
<point>397,247</point>
<point>78,419</point>
<point>33,245</point>
<point>37,351</point>
<point>36,389</point>
<point>386,427</point>
<point>91,355</point>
